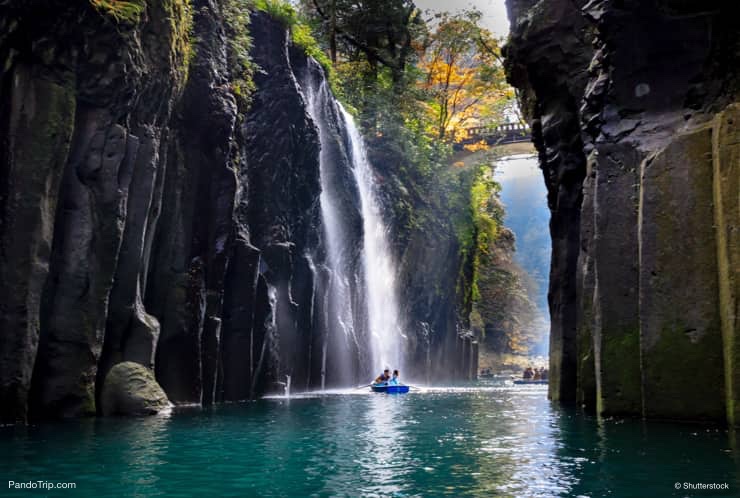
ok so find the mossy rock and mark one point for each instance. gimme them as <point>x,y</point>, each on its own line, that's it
<point>131,389</point>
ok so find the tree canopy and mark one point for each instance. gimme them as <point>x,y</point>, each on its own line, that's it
<point>463,74</point>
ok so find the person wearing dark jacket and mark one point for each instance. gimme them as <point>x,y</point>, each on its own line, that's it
<point>384,377</point>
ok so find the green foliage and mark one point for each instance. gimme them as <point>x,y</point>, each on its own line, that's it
<point>126,11</point>
<point>236,15</point>
<point>477,226</point>
<point>486,212</point>
<point>300,32</point>
<point>301,35</point>
<point>509,320</point>
<point>463,75</point>
<point>182,51</point>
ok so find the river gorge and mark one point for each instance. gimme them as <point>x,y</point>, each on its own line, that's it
<point>213,229</point>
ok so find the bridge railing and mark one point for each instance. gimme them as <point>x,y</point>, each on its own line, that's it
<point>503,129</point>
<point>508,133</point>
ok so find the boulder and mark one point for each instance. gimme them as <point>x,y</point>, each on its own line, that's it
<point>131,389</point>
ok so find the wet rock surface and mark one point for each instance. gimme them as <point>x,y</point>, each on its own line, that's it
<point>151,220</point>
<point>139,206</point>
<point>627,100</point>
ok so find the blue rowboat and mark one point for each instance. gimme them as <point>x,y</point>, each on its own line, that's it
<point>388,389</point>
<point>529,382</point>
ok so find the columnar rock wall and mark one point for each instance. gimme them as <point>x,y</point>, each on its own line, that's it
<point>144,216</point>
<point>632,108</point>
<point>84,112</point>
<point>149,214</point>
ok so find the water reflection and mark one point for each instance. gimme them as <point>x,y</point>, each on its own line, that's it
<point>484,440</point>
<point>385,460</point>
<point>143,448</point>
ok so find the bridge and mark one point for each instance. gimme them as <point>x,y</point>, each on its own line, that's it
<point>509,133</point>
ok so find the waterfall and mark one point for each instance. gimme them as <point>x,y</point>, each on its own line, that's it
<point>357,254</point>
<point>338,310</point>
<point>379,268</point>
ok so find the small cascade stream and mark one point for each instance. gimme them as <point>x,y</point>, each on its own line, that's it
<point>362,308</point>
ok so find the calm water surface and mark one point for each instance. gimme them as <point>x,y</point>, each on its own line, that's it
<point>487,439</point>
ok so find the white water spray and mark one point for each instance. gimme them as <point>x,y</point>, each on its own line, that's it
<point>378,285</point>
<point>380,269</point>
<point>338,311</point>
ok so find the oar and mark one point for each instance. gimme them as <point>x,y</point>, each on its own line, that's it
<point>363,387</point>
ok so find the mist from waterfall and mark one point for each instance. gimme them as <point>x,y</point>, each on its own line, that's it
<point>338,320</point>
<point>374,279</point>
<point>380,269</point>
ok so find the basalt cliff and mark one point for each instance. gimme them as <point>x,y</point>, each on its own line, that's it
<point>160,208</point>
<point>634,108</point>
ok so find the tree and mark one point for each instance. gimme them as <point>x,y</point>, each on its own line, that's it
<point>380,29</point>
<point>463,74</point>
<point>374,41</point>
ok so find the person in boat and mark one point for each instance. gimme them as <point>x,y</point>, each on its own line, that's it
<point>394,380</point>
<point>384,377</point>
<point>537,374</point>
<point>528,373</point>
<point>544,373</point>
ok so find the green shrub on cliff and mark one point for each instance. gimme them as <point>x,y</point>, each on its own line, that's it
<point>278,10</point>
<point>128,11</point>
<point>180,16</point>
<point>236,16</point>
<point>300,31</point>
<point>487,217</point>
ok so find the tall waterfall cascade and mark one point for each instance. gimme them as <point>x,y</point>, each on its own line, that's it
<point>363,304</point>
<point>380,269</point>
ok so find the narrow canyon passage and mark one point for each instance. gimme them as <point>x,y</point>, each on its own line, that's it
<point>372,247</point>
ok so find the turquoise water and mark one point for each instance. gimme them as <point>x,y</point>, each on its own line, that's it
<point>481,440</point>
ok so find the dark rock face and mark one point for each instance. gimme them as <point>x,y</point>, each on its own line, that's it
<point>79,122</point>
<point>629,104</point>
<point>279,210</point>
<point>147,219</point>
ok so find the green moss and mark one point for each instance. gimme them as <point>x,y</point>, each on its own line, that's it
<point>56,121</point>
<point>683,378</point>
<point>179,13</point>
<point>621,389</point>
<point>87,403</point>
<point>680,326</point>
<point>240,46</point>
<point>124,11</point>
